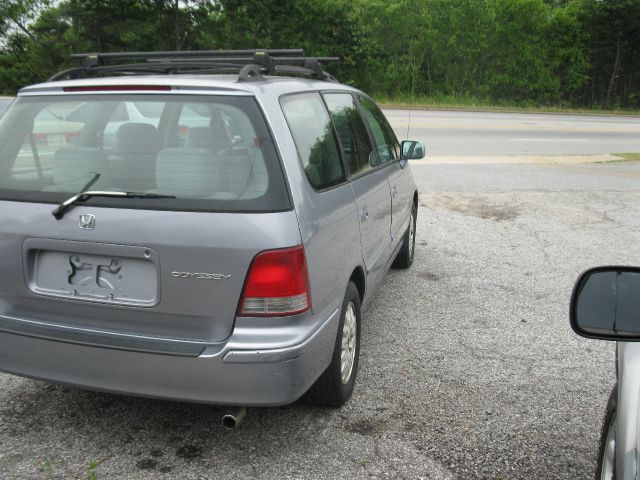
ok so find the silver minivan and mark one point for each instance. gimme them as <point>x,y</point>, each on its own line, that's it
<point>4,103</point>
<point>221,250</point>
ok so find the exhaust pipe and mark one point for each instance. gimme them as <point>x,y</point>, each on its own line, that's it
<point>233,418</point>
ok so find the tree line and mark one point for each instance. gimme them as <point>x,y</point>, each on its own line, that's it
<point>572,53</point>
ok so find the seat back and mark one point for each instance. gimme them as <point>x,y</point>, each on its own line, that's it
<point>137,145</point>
<point>187,172</point>
<point>74,166</point>
<point>214,137</point>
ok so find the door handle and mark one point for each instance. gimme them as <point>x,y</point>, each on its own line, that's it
<point>364,215</point>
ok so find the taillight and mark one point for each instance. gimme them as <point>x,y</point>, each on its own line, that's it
<point>70,137</point>
<point>277,284</point>
<point>40,138</point>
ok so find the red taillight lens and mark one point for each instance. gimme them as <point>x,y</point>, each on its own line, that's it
<point>70,137</point>
<point>40,138</point>
<point>119,88</point>
<point>277,284</point>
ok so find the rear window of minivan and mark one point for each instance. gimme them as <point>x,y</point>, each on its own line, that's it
<point>210,152</point>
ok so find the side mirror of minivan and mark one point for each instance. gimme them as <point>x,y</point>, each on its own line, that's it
<point>605,304</point>
<point>412,150</point>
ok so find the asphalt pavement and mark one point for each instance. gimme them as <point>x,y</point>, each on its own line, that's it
<point>469,368</point>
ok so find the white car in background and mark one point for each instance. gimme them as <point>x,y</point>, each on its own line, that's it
<point>126,112</point>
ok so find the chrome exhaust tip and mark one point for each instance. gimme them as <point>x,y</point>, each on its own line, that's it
<point>232,419</point>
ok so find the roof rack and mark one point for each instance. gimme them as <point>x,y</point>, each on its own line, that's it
<point>250,65</point>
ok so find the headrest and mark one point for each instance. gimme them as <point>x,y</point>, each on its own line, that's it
<point>200,137</point>
<point>137,139</point>
<point>187,172</point>
<point>214,138</point>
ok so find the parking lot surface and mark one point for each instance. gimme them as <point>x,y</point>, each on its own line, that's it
<point>469,368</point>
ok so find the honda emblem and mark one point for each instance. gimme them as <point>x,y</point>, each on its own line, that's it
<point>87,221</point>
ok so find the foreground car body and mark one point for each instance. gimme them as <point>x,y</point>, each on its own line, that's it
<point>606,305</point>
<point>221,253</point>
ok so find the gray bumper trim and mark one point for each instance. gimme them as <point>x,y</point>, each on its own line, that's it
<point>98,338</point>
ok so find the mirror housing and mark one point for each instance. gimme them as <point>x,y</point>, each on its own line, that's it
<point>605,304</point>
<point>411,150</point>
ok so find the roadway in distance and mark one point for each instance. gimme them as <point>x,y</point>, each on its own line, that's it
<point>488,133</point>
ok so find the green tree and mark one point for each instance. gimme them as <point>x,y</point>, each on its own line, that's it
<point>520,66</point>
<point>614,35</point>
<point>571,52</point>
<point>321,27</point>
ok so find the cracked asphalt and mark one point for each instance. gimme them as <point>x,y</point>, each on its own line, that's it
<point>469,368</point>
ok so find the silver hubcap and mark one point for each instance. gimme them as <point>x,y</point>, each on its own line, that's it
<point>609,451</point>
<point>349,338</point>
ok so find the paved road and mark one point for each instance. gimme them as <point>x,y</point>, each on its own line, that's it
<point>469,367</point>
<point>480,133</point>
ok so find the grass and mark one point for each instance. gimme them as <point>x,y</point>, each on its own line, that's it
<point>47,468</point>
<point>91,469</point>
<point>477,104</point>
<point>627,156</point>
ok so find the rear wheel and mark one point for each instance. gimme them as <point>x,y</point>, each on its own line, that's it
<point>405,256</point>
<point>606,467</point>
<point>335,385</point>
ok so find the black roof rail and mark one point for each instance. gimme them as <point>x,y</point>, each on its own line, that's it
<point>250,65</point>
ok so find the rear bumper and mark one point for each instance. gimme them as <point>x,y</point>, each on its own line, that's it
<point>234,374</point>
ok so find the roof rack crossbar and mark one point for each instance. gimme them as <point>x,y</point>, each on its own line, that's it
<point>305,72</point>
<point>187,53</point>
<point>150,68</point>
<point>251,64</point>
<point>240,60</point>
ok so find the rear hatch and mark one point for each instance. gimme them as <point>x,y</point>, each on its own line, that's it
<point>166,262</point>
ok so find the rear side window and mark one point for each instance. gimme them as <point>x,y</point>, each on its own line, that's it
<point>314,138</point>
<point>387,146</point>
<point>213,153</point>
<point>352,132</point>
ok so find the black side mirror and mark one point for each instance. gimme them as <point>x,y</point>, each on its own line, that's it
<point>412,150</point>
<point>605,304</point>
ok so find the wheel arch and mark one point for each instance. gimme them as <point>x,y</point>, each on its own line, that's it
<point>359,280</point>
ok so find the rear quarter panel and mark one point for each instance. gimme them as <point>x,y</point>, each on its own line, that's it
<point>328,220</point>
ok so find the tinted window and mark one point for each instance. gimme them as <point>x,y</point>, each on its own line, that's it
<point>387,145</point>
<point>352,132</point>
<point>314,137</point>
<point>150,109</point>
<point>50,147</point>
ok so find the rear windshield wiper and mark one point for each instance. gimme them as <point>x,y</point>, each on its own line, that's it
<point>59,211</point>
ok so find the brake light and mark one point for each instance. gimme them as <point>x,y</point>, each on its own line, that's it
<point>40,138</point>
<point>118,88</point>
<point>70,137</point>
<point>277,284</point>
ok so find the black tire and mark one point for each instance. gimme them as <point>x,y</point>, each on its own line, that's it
<point>610,422</point>
<point>405,256</point>
<point>329,390</point>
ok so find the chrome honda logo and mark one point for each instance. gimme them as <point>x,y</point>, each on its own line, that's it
<point>87,221</point>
